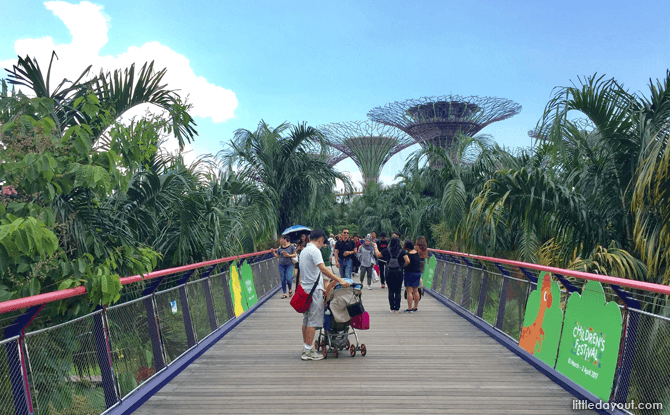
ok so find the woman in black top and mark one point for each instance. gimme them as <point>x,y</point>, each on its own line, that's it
<point>393,277</point>
<point>412,276</point>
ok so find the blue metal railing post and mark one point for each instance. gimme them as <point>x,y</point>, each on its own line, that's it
<point>16,359</point>
<point>456,277</point>
<point>208,299</point>
<point>466,284</point>
<point>226,293</point>
<point>185,310</point>
<point>482,292</point>
<point>152,324</point>
<point>630,339</point>
<point>503,296</point>
<point>104,359</point>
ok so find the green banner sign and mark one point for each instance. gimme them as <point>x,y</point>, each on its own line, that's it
<point>543,319</point>
<point>429,273</point>
<point>590,340</point>
<point>248,287</point>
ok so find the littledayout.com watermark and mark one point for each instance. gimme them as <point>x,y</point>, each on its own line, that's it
<point>584,404</point>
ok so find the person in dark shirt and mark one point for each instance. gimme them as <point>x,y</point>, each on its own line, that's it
<point>345,250</point>
<point>285,252</point>
<point>393,277</point>
<point>382,244</point>
<point>412,276</point>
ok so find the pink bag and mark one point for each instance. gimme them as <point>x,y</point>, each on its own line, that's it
<point>361,321</point>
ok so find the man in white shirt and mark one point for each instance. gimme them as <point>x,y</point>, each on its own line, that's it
<point>311,270</point>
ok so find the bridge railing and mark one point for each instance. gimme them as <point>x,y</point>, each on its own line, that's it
<point>495,292</point>
<point>92,363</point>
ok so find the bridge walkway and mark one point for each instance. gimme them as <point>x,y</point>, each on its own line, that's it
<point>429,362</point>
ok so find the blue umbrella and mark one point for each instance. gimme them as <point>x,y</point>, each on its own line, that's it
<point>295,231</point>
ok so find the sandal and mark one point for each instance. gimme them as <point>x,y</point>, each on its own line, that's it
<point>284,296</point>
<point>290,293</point>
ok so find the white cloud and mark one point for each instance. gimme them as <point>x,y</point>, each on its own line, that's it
<point>88,26</point>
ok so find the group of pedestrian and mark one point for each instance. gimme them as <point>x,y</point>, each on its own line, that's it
<point>309,261</point>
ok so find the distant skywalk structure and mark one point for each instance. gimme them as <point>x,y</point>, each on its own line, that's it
<point>369,144</point>
<point>438,120</point>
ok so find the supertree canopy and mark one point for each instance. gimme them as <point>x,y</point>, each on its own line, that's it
<point>437,120</point>
<point>369,144</point>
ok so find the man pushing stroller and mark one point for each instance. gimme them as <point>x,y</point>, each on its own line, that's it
<point>312,268</point>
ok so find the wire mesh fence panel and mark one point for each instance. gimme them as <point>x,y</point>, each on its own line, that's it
<point>491,296</point>
<point>650,367</point>
<point>437,277</point>
<point>445,278</point>
<point>515,307</point>
<point>217,283</point>
<point>461,284</point>
<point>171,323</point>
<point>130,345</point>
<point>197,303</point>
<point>64,374</point>
<point>472,289</point>
<point>274,267</point>
<point>256,271</point>
<point>6,396</point>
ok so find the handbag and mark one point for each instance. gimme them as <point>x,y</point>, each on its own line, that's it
<point>361,321</point>
<point>301,300</point>
<point>355,309</point>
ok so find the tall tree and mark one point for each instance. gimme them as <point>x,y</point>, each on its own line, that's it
<point>289,164</point>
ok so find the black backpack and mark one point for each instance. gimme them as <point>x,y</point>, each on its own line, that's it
<point>393,264</point>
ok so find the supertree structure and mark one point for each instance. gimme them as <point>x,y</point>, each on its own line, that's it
<point>369,144</point>
<point>437,120</point>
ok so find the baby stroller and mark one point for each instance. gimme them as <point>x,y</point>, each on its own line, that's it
<point>338,324</point>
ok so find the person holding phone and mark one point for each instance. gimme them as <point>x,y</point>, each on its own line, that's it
<point>285,252</point>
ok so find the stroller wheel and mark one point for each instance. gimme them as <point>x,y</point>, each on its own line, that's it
<point>316,345</point>
<point>335,352</point>
<point>363,350</point>
<point>348,344</point>
<point>352,350</point>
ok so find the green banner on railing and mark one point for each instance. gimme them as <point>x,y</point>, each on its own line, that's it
<point>248,287</point>
<point>590,340</point>
<point>429,273</point>
<point>543,319</point>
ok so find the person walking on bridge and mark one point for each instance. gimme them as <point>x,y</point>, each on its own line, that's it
<point>285,253</point>
<point>395,257</point>
<point>312,268</point>
<point>366,255</point>
<point>345,249</point>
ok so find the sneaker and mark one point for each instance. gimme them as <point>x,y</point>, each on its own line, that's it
<point>311,355</point>
<point>383,286</point>
<point>415,310</point>
<point>408,311</point>
<point>392,311</point>
<point>369,288</point>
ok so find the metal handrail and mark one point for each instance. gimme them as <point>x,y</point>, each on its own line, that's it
<point>640,285</point>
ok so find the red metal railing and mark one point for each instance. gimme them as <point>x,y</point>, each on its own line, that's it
<point>640,285</point>
<point>25,302</point>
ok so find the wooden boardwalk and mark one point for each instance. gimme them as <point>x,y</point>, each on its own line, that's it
<point>429,362</point>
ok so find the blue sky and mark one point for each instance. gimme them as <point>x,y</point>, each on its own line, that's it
<point>325,62</point>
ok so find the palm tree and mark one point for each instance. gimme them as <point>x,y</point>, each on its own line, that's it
<point>114,92</point>
<point>291,169</point>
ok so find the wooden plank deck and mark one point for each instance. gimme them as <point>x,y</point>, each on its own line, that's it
<point>429,362</point>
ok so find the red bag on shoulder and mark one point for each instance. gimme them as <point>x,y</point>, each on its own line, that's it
<point>301,300</point>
